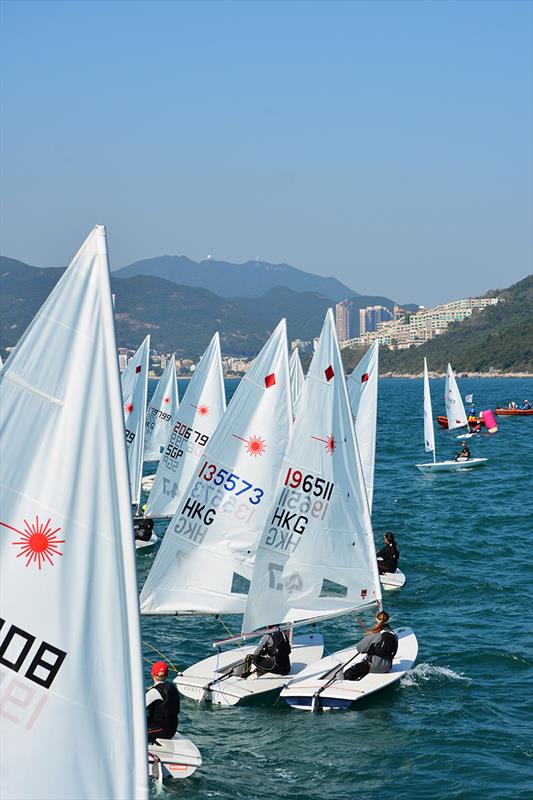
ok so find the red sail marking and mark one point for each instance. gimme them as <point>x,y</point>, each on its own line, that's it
<point>38,542</point>
<point>128,407</point>
<point>166,399</point>
<point>138,369</point>
<point>364,377</point>
<point>202,409</point>
<point>329,442</point>
<point>270,380</point>
<point>255,445</point>
<point>328,372</point>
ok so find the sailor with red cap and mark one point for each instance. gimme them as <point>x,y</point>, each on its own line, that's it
<point>162,705</point>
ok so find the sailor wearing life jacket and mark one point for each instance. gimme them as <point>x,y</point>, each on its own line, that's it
<point>162,705</point>
<point>389,555</point>
<point>271,655</point>
<point>380,645</point>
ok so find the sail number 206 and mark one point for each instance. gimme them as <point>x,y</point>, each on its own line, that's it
<point>310,484</point>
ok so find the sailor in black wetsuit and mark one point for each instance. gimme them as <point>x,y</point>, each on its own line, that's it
<point>162,705</point>
<point>271,655</point>
<point>389,555</point>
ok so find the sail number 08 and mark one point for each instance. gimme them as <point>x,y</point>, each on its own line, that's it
<point>310,484</point>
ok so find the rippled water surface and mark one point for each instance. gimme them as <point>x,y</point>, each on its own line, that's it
<point>460,724</point>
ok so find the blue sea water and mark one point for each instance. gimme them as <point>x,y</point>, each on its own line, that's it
<point>460,724</point>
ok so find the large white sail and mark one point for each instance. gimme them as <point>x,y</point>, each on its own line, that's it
<point>73,717</point>
<point>161,408</point>
<point>297,378</point>
<point>211,541</point>
<point>202,407</point>
<point>363,393</point>
<point>316,556</point>
<point>455,410</point>
<point>429,432</point>
<point>134,391</point>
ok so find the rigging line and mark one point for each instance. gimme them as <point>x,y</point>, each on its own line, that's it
<point>159,653</point>
<point>228,631</point>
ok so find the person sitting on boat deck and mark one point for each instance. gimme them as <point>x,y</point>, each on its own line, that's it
<point>389,555</point>
<point>526,406</point>
<point>143,527</point>
<point>162,705</point>
<point>464,453</point>
<point>272,654</point>
<point>380,645</point>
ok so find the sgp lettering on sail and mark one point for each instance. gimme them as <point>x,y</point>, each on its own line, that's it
<point>28,668</point>
<point>183,439</point>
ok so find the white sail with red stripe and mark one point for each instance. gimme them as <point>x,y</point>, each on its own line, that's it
<point>68,587</point>
<point>134,392</point>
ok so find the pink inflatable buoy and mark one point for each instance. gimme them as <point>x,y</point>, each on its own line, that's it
<point>489,420</point>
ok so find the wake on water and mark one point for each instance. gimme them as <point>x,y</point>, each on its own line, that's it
<point>427,672</point>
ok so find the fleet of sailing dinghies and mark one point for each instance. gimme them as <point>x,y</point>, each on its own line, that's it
<point>205,560</point>
<point>134,392</point>
<point>68,555</point>
<point>192,425</point>
<point>297,378</point>
<point>451,395</point>
<point>162,407</point>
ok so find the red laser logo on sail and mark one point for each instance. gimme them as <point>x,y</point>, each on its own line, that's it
<point>38,542</point>
<point>166,399</point>
<point>330,442</point>
<point>255,445</point>
<point>128,407</point>
<point>202,409</point>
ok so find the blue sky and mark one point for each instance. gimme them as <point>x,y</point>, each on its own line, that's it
<point>386,143</point>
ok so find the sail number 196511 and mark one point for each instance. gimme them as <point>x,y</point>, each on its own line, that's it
<point>310,484</point>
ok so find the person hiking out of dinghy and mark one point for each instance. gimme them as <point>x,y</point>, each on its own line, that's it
<point>464,453</point>
<point>389,555</point>
<point>380,644</point>
<point>271,655</point>
<point>162,705</point>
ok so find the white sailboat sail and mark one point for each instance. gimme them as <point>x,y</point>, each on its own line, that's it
<point>202,407</point>
<point>211,541</point>
<point>363,393</point>
<point>297,378</point>
<point>316,556</point>
<point>429,432</point>
<point>134,390</point>
<point>455,410</point>
<point>161,408</point>
<point>68,731</point>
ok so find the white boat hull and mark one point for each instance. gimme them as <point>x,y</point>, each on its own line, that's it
<point>140,545</point>
<point>301,692</point>
<point>205,681</point>
<point>390,581</point>
<point>173,758</point>
<point>451,466</point>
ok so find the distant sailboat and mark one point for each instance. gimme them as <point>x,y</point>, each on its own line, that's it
<point>363,393</point>
<point>134,381</point>
<point>161,408</point>
<point>429,433</point>
<point>297,378</point>
<point>66,539</point>
<point>192,425</point>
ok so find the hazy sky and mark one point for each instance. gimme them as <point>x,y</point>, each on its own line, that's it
<point>386,143</point>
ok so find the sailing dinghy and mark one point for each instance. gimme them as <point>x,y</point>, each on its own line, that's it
<point>162,407</point>
<point>316,559</point>
<point>429,433</point>
<point>205,561</point>
<point>192,425</point>
<point>67,555</point>
<point>363,395</point>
